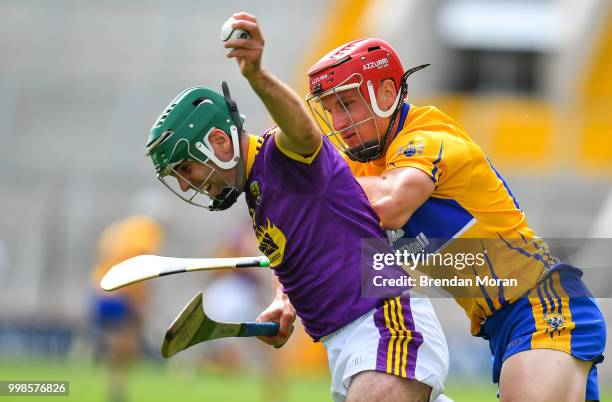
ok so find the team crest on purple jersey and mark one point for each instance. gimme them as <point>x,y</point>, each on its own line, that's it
<point>271,242</point>
<point>255,192</point>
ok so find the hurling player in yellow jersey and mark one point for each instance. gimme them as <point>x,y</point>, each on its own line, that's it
<point>428,181</point>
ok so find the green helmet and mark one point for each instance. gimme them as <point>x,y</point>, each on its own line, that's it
<point>181,133</point>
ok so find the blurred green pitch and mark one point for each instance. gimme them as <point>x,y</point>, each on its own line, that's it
<point>155,382</point>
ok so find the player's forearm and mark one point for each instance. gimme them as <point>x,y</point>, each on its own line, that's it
<point>397,194</point>
<point>380,193</point>
<point>288,111</point>
<point>393,215</point>
<point>373,186</point>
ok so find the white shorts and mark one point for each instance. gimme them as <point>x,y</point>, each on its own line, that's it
<point>403,337</point>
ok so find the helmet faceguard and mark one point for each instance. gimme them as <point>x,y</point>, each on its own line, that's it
<point>182,132</point>
<point>360,66</point>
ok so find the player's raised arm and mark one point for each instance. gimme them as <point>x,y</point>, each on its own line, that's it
<point>299,132</point>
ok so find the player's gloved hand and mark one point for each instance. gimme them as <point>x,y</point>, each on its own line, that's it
<point>247,51</point>
<point>281,311</point>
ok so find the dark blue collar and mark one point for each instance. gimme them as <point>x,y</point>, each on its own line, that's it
<point>402,120</point>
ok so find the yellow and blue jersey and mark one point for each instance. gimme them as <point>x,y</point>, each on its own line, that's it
<point>470,200</point>
<point>473,210</point>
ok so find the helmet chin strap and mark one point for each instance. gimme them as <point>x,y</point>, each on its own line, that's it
<point>237,136</point>
<point>229,194</point>
<point>367,151</point>
<point>226,198</point>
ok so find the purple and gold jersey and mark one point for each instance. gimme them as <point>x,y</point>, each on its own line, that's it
<point>309,216</point>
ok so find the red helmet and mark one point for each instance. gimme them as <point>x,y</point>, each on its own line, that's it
<point>374,59</point>
<point>362,64</point>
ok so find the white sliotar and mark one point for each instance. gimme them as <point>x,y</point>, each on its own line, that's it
<point>228,32</point>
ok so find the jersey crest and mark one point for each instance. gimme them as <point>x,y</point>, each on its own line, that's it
<point>271,242</point>
<point>255,192</point>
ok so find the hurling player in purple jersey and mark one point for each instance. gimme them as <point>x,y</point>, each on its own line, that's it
<point>310,216</point>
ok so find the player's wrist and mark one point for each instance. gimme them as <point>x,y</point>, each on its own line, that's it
<point>281,298</point>
<point>257,77</point>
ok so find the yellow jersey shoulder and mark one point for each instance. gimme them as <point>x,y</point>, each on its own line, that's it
<point>434,143</point>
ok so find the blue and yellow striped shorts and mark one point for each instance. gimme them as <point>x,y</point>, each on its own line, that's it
<point>559,314</point>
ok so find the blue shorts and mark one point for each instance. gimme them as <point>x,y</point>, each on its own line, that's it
<point>559,314</point>
<point>110,311</point>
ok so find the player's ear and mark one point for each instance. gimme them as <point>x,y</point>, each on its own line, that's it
<point>386,94</point>
<point>221,144</point>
